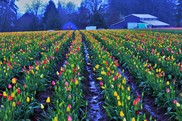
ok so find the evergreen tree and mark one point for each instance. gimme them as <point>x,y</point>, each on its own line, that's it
<point>83,16</point>
<point>51,18</point>
<point>8,15</point>
<point>98,21</point>
<point>179,13</point>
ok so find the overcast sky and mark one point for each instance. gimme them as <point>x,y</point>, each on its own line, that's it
<point>22,3</point>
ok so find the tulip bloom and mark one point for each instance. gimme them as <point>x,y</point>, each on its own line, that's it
<point>69,118</point>
<point>13,80</point>
<point>9,86</point>
<point>55,119</point>
<point>10,98</point>
<point>48,100</point>
<point>53,83</point>
<point>121,114</point>
<point>99,78</point>
<point>18,91</point>
<point>42,106</point>
<point>4,94</point>
<point>28,99</point>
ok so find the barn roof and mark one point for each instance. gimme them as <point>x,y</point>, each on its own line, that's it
<point>69,26</point>
<point>156,23</point>
<point>143,15</point>
<point>117,23</point>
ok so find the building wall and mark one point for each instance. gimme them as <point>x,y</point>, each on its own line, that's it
<point>131,19</point>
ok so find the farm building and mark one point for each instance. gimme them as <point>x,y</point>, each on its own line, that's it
<point>139,21</point>
<point>69,26</point>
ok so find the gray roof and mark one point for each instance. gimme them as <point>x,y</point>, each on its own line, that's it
<point>156,23</point>
<point>144,15</point>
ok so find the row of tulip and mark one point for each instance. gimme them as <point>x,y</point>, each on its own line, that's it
<point>14,62</point>
<point>165,92</point>
<point>154,50</point>
<point>68,96</point>
<point>19,97</point>
<point>120,104</point>
<point>11,44</point>
<point>32,87</point>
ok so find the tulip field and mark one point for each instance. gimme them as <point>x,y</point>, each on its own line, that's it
<point>103,75</point>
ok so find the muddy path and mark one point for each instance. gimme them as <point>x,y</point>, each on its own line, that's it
<point>93,93</point>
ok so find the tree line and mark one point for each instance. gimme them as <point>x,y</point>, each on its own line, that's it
<point>100,13</point>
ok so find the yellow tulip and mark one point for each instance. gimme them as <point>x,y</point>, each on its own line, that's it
<point>121,114</point>
<point>119,103</point>
<point>103,72</point>
<point>41,106</point>
<point>57,73</point>
<point>99,78</point>
<point>48,100</point>
<point>133,119</point>
<point>76,82</point>
<point>28,99</point>
<point>55,119</point>
<point>128,97</point>
<point>14,80</point>
<point>118,97</point>
<point>128,88</point>
<point>37,68</point>
<point>167,83</point>
<point>12,95</point>
<point>103,87</point>
<point>67,109</point>
<point>13,104</point>
<point>115,93</point>
<point>124,81</point>
<point>42,76</point>
<point>97,66</point>
<point>177,104</point>
<point>4,94</point>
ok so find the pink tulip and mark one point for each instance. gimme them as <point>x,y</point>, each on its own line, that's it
<point>101,83</point>
<point>9,86</point>
<point>53,83</point>
<point>69,96</point>
<point>69,106</point>
<point>66,84</point>
<point>175,101</point>
<point>167,90</point>
<point>69,118</point>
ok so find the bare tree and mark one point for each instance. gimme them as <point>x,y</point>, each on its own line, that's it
<point>95,5</point>
<point>36,7</point>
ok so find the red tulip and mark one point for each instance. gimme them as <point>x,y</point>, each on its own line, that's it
<point>57,49</point>
<point>137,112</point>
<point>10,97</point>
<point>18,91</point>
<point>18,103</point>
<point>135,102</point>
